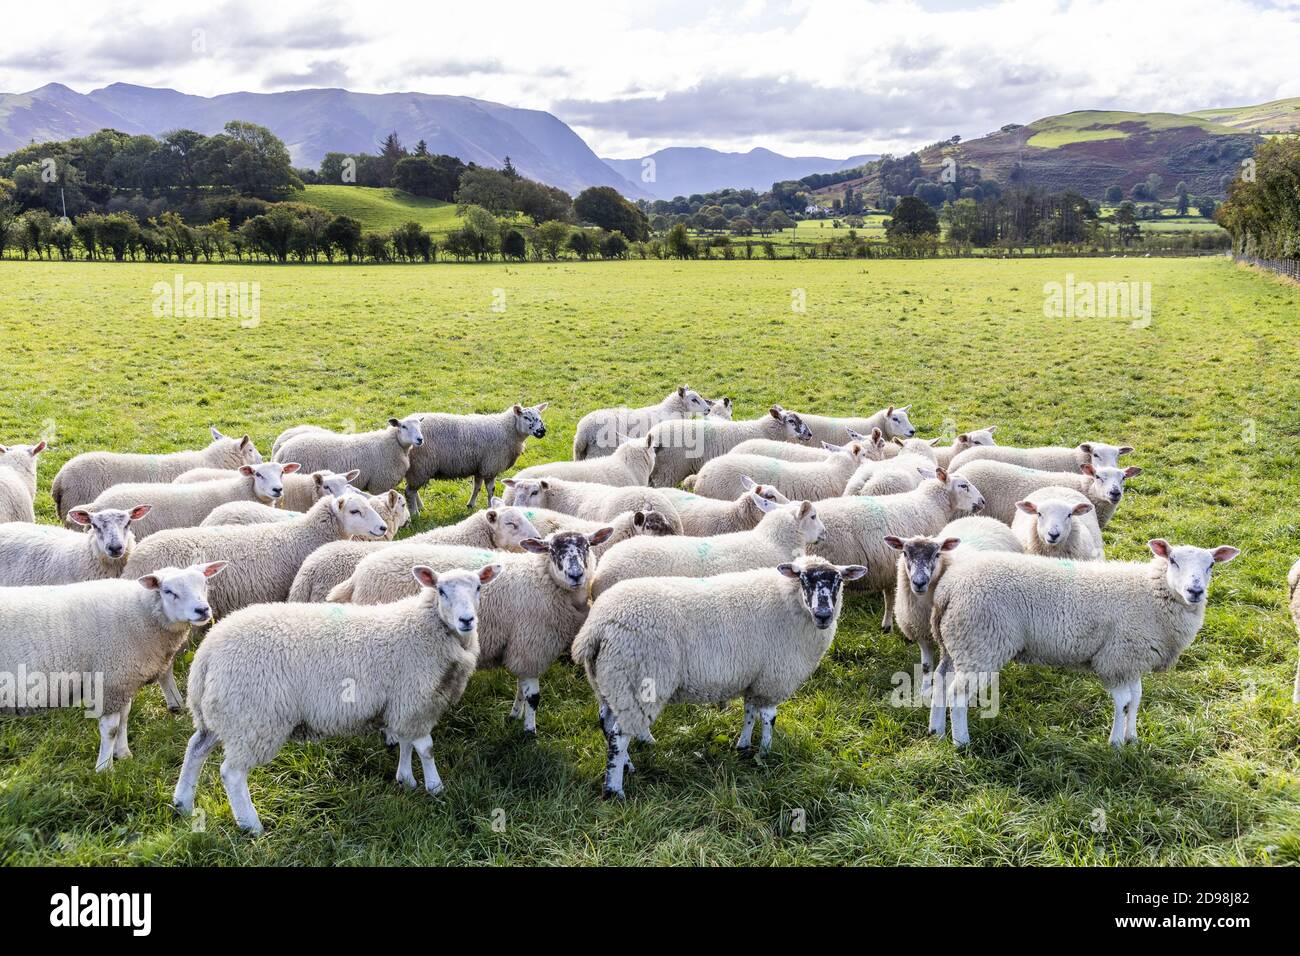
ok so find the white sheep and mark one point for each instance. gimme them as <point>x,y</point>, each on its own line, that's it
<point>1119,619</point>
<point>185,506</point>
<point>1047,458</point>
<point>702,517</point>
<point>32,554</point>
<point>720,409</point>
<point>784,534</point>
<point>1003,485</point>
<point>471,446</point>
<point>275,669</point>
<point>652,642</point>
<point>892,422</point>
<point>18,481</point>
<point>526,623</point>
<point>586,500</point>
<point>792,452</point>
<point>498,528</point>
<point>797,480</point>
<point>917,459</point>
<point>626,524</point>
<point>600,432</point>
<point>382,457</point>
<point>629,464</point>
<point>83,478</point>
<point>976,437</point>
<point>856,527</point>
<point>1057,522</point>
<point>682,446</point>
<point>97,643</point>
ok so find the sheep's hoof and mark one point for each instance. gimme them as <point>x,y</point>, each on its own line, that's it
<point>608,794</point>
<point>886,629</point>
<point>407,782</point>
<point>122,755</point>
<point>434,791</point>
<point>530,736</point>
<point>182,808</point>
<point>176,710</point>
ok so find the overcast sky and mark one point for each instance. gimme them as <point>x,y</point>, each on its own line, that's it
<point>828,77</point>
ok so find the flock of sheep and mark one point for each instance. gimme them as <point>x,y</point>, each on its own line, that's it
<point>681,556</point>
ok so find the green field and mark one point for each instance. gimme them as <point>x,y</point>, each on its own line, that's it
<point>1085,126</point>
<point>382,210</point>
<point>1208,395</point>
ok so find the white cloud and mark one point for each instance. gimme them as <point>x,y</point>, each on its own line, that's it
<point>833,77</point>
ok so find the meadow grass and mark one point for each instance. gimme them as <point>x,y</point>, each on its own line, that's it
<point>383,210</point>
<point>1208,394</point>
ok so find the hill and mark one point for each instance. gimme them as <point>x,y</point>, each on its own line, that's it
<point>688,170</point>
<point>381,210</point>
<point>1279,116</point>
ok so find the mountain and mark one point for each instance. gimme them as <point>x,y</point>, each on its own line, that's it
<point>1279,116</point>
<point>314,122</point>
<point>1088,151</point>
<point>686,170</point>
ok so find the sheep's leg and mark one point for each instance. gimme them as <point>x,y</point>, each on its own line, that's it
<point>108,725</point>
<point>424,747</point>
<point>404,775</point>
<point>1134,701</point>
<point>927,667</point>
<point>958,694</point>
<point>235,780</point>
<point>887,623</point>
<point>603,714</point>
<point>517,710</point>
<point>1121,695</point>
<point>939,697</point>
<point>473,497</point>
<point>747,730</point>
<point>412,496</point>
<point>121,749</point>
<point>171,693</point>
<point>196,753</point>
<point>607,718</point>
<point>768,716</point>
<point>530,688</point>
<point>616,749</point>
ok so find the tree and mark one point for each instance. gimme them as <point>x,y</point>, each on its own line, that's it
<point>1127,224</point>
<point>679,243</point>
<point>912,218</point>
<point>1114,195</point>
<point>482,230</point>
<point>390,154</point>
<point>779,221</point>
<point>742,226</point>
<point>513,245</point>
<point>489,188</point>
<point>613,246</point>
<point>1180,191</point>
<point>1206,206</point>
<point>931,194</point>
<point>250,160</point>
<point>550,238</point>
<point>583,243</point>
<point>540,202</point>
<point>603,206</point>
<point>344,234</point>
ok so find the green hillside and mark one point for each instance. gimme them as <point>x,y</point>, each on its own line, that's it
<point>1279,116</point>
<point>1085,126</point>
<point>380,210</point>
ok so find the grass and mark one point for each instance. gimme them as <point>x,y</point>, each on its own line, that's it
<point>1084,126</point>
<point>1208,394</point>
<point>382,210</point>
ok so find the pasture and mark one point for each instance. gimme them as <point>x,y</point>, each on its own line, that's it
<point>1208,393</point>
<point>383,210</point>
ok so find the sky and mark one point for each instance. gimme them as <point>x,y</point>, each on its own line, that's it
<point>802,77</point>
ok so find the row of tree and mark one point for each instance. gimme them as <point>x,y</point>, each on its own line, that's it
<point>1262,211</point>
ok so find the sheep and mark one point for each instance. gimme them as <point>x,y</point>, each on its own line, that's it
<point>270,670</point>
<point>977,437</point>
<point>18,482</point>
<point>471,446</point>
<point>586,500</point>
<point>892,422</point>
<point>856,526</point>
<point>922,561</point>
<point>1003,485</point>
<point>86,476</point>
<point>382,457</point>
<point>1119,619</point>
<point>1048,458</point>
<point>391,509</point>
<point>784,534</point>
<point>1058,522</point>
<point>806,480</point>
<point>32,554</point>
<point>720,409</point>
<point>185,506</point>
<point>651,642</point>
<point>626,524</point>
<point>702,517</point>
<point>600,432</point>
<point>682,446</point>
<point>102,641</point>
<point>301,491</point>
<point>527,622</point>
<point>1293,584</point>
<point>916,459</point>
<point>630,464</point>
<point>790,452</point>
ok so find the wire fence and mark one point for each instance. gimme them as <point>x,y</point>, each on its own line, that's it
<point>1285,267</point>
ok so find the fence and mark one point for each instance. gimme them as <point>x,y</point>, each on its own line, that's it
<point>1285,267</point>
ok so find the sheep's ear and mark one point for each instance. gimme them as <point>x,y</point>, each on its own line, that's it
<point>491,515</point>
<point>905,408</point>
<point>213,569</point>
<point>1132,471</point>
<point>877,435</point>
<point>856,449</point>
<point>519,409</point>
<point>1027,507</point>
<point>726,402</point>
<point>748,483</point>
<point>352,475</point>
<point>79,516</point>
<point>894,542</point>
<point>763,503</point>
<point>394,422</point>
<point>1159,547</point>
<point>1125,450</point>
<point>638,519</point>
<point>489,572</point>
<point>898,441</point>
<point>393,497</point>
<point>245,442</point>
<point>290,468</point>
<point>340,502</point>
<point>542,407</point>
<point>247,471</point>
<point>425,575</point>
<point>851,572</point>
<point>139,511</point>
<point>37,449</point>
<point>1082,508</point>
<point>319,478</point>
<point>941,474</point>
<point>1225,553</point>
<point>601,536</point>
<point>3,449</point>
<point>950,544</point>
<point>681,391</point>
<point>829,447</point>
<point>545,484</point>
<point>150,582</point>
<point>775,412</point>
<point>789,570</point>
<point>963,438</point>
<point>991,429</point>
<point>1086,448</point>
<point>804,508</point>
<point>649,441</point>
<point>508,482</point>
<point>496,502</point>
<point>934,442</point>
<point>535,546</point>
<point>216,435</point>
<point>1088,470</point>
<point>889,410</point>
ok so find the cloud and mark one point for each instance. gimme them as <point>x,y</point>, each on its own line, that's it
<point>316,73</point>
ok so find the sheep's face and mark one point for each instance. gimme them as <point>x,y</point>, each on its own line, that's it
<point>811,528</point>
<point>268,478</point>
<point>963,497</point>
<point>980,436</point>
<point>21,458</point>
<point>110,529</point>
<point>392,510</point>
<point>569,553</point>
<point>457,593</point>
<point>897,424</point>
<point>921,557</point>
<point>638,454</point>
<point>409,434</point>
<point>919,446</point>
<point>874,443</point>
<point>357,517</point>
<point>795,429</point>
<point>1054,518</point>
<point>508,526</point>
<point>184,591</point>
<point>1189,568</point>
<point>1102,455</point>
<point>528,421</point>
<point>526,492</point>
<point>240,450</point>
<point>720,408</point>
<point>332,484</point>
<point>652,523</point>
<point>696,404</point>
<point>821,586</point>
<point>1108,482</point>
